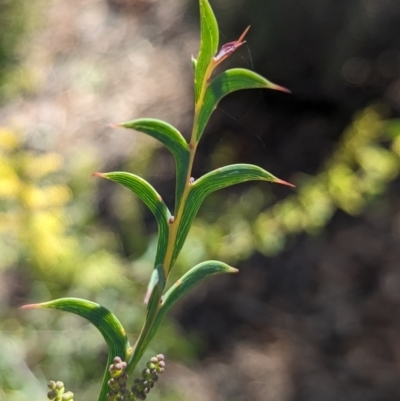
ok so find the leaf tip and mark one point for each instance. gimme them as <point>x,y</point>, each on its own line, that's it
<point>97,174</point>
<point>147,297</point>
<point>113,125</point>
<point>282,182</point>
<point>123,125</point>
<point>30,306</point>
<point>244,34</point>
<point>281,88</point>
<point>228,48</point>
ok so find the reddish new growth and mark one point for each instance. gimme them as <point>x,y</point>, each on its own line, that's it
<point>228,48</point>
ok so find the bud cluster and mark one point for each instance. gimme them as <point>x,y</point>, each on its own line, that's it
<point>142,386</point>
<point>117,383</point>
<point>57,392</point>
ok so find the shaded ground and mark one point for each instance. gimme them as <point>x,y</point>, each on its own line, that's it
<point>318,322</point>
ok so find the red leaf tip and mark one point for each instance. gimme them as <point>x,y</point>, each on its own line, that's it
<point>97,174</point>
<point>228,48</point>
<point>147,297</point>
<point>281,89</point>
<point>30,306</point>
<point>279,181</point>
<point>243,34</point>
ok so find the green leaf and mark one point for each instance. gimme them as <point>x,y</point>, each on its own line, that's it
<point>172,139</point>
<point>153,307</point>
<point>158,307</point>
<point>209,38</point>
<point>217,179</point>
<point>152,283</point>
<point>152,200</point>
<point>194,64</point>
<point>105,321</point>
<point>190,279</point>
<point>225,83</point>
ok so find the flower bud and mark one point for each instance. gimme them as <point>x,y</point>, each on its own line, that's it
<point>59,385</point>
<point>68,396</point>
<point>51,384</point>
<point>52,394</point>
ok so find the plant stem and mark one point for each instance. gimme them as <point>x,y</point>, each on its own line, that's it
<point>174,226</point>
<point>156,299</point>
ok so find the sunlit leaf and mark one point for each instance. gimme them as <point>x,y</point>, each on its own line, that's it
<point>190,279</point>
<point>194,64</point>
<point>153,307</point>
<point>152,282</point>
<point>225,83</point>
<point>151,199</point>
<point>209,38</point>
<point>172,139</point>
<point>105,321</point>
<point>217,179</point>
<point>193,277</point>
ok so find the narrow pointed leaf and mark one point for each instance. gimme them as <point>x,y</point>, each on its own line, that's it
<point>152,283</point>
<point>227,82</point>
<point>105,321</point>
<point>217,179</point>
<point>189,280</point>
<point>194,63</point>
<point>153,307</point>
<point>193,277</point>
<point>172,139</point>
<point>151,199</point>
<point>180,288</point>
<point>209,38</point>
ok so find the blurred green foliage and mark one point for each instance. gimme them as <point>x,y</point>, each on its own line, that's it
<point>366,159</point>
<point>51,246</point>
<point>35,221</point>
<point>360,169</point>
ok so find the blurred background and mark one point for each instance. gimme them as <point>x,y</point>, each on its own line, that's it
<point>315,312</point>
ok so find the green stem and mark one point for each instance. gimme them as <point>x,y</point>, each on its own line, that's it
<point>146,334</point>
<point>153,309</point>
